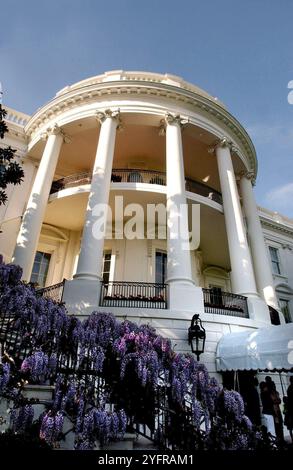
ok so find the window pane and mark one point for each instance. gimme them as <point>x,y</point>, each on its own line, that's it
<point>161,267</point>
<point>275,260</point>
<point>285,308</point>
<point>274,254</point>
<point>106,266</point>
<point>40,268</point>
<point>38,256</point>
<point>34,278</point>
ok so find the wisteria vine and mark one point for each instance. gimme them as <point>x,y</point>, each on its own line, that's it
<point>74,355</point>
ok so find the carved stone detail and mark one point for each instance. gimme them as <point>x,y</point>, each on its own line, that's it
<point>101,116</point>
<point>250,175</point>
<point>56,130</point>
<point>170,118</point>
<point>224,142</point>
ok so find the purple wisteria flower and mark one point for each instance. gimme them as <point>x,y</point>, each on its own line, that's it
<point>37,366</point>
<point>21,418</point>
<point>51,427</point>
<point>4,376</point>
<point>96,365</point>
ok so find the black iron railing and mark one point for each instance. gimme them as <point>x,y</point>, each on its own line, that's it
<point>71,181</point>
<point>225,303</point>
<point>203,190</point>
<point>133,294</point>
<point>54,292</point>
<point>136,176</point>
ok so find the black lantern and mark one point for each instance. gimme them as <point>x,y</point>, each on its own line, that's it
<point>196,336</point>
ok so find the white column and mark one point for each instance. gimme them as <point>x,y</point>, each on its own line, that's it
<point>82,293</point>
<point>242,274</point>
<point>183,294</point>
<point>91,252</point>
<point>262,265</point>
<point>179,262</point>
<point>243,281</point>
<point>32,219</point>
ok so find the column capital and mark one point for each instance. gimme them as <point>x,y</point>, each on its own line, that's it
<point>223,142</point>
<point>171,118</point>
<point>249,175</point>
<point>101,116</point>
<point>56,130</point>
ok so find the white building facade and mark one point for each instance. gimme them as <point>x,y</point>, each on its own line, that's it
<point>129,139</point>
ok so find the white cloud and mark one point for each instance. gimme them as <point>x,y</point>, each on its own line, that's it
<point>280,198</point>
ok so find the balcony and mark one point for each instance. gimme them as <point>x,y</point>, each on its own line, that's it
<point>133,295</point>
<point>154,296</point>
<point>54,292</point>
<point>225,303</point>
<point>137,176</point>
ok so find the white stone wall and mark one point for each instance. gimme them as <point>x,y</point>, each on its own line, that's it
<point>280,236</point>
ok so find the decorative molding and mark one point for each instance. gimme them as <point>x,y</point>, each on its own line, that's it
<point>56,130</point>
<point>276,226</point>
<point>80,96</point>
<point>224,142</point>
<point>248,175</point>
<point>53,233</point>
<point>101,116</point>
<point>286,246</point>
<point>284,287</point>
<point>216,271</point>
<point>171,118</point>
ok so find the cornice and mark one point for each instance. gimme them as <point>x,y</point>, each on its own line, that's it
<point>276,226</point>
<point>91,93</point>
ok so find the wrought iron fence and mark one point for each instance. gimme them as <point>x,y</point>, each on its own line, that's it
<point>133,294</point>
<point>138,176</point>
<point>71,181</point>
<point>54,292</point>
<point>122,175</point>
<point>224,303</point>
<point>203,190</point>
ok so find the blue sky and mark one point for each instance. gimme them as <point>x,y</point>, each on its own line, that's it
<point>240,51</point>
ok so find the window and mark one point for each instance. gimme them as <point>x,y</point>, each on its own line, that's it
<point>285,308</point>
<point>106,266</point>
<point>161,267</point>
<point>216,295</point>
<point>40,268</point>
<point>275,260</point>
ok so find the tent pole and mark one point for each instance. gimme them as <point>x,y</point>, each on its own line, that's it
<point>281,380</point>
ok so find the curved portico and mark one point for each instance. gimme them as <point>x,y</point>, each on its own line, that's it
<point>172,126</point>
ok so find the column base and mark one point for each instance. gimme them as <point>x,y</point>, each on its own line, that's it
<point>185,297</point>
<point>258,309</point>
<point>81,296</point>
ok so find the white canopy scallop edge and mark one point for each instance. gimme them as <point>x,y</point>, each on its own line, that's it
<point>269,349</point>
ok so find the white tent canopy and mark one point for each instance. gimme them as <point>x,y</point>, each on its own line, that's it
<point>263,349</point>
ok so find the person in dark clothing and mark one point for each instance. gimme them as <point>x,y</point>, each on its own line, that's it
<point>267,408</point>
<point>289,409</point>
<point>270,383</point>
<point>267,403</point>
<point>288,421</point>
<point>252,402</point>
<point>275,399</point>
